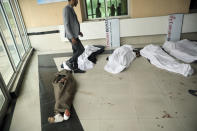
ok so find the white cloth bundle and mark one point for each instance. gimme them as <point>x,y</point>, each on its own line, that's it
<point>83,62</point>
<point>120,59</point>
<point>184,50</point>
<point>162,60</point>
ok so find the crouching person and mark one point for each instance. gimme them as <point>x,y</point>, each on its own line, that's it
<point>64,90</point>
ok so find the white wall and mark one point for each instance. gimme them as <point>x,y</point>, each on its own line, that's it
<point>96,30</point>
<point>143,26</point>
<point>136,27</point>
<point>128,27</point>
<point>91,30</point>
<point>190,23</point>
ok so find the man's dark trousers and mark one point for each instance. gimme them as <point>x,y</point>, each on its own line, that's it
<point>78,49</point>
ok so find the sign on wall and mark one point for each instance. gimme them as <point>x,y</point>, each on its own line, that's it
<point>112,27</point>
<point>49,1</point>
<point>175,22</point>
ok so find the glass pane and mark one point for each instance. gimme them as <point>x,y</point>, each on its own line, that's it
<point>13,25</point>
<point>124,7</point>
<point>99,8</point>
<point>5,66</point>
<point>9,40</point>
<point>28,45</point>
<point>20,26</point>
<point>121,8</point>
<point>117,7</point>
<point>94,5</point>
<point>95,8</point>
<point>2,99</point>
<point>111,7</point>
<point>114,8</point>
<point>89,11</point>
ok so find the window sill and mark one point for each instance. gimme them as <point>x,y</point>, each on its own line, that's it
<point>18,78</point>
<point>102,19</point>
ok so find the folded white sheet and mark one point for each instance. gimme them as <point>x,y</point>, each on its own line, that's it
<point>120,59</point>
<point>184,50</point>
<point>162,60</point>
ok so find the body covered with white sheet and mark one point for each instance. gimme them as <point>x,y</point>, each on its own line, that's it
<point>184,50</point>
<point>120,59</point>
<point>162,60</point>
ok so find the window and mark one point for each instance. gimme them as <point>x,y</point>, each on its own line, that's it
<point>20,23</point>
<point>9,39</point>
<point>13,25</point>
<point>106,8</point>
<point>5,66</point>
<point>14,42</point>
<point>193,6</point>
<point>14,48</point>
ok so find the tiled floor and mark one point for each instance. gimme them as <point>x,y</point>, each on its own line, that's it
<point>141,98</point>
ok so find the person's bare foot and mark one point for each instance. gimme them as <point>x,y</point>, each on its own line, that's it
<point>66,114</point>
<point>51,119</point>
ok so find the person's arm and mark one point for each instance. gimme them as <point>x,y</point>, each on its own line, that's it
<point>67,27</point>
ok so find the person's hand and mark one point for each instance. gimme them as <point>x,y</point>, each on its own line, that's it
<point>81,34</point>
<point>74,41</point>
<point>63,80</point>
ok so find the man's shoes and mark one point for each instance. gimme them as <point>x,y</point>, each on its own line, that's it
<point>62,66</point>
<point>74,67</point>
<point>78,71</point>
<point>70,65</point>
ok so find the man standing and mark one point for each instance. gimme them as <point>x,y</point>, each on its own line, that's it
<point>112,9</point>
<point>119,10</point>
<point>98,12</point>
<point>72,31</point>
